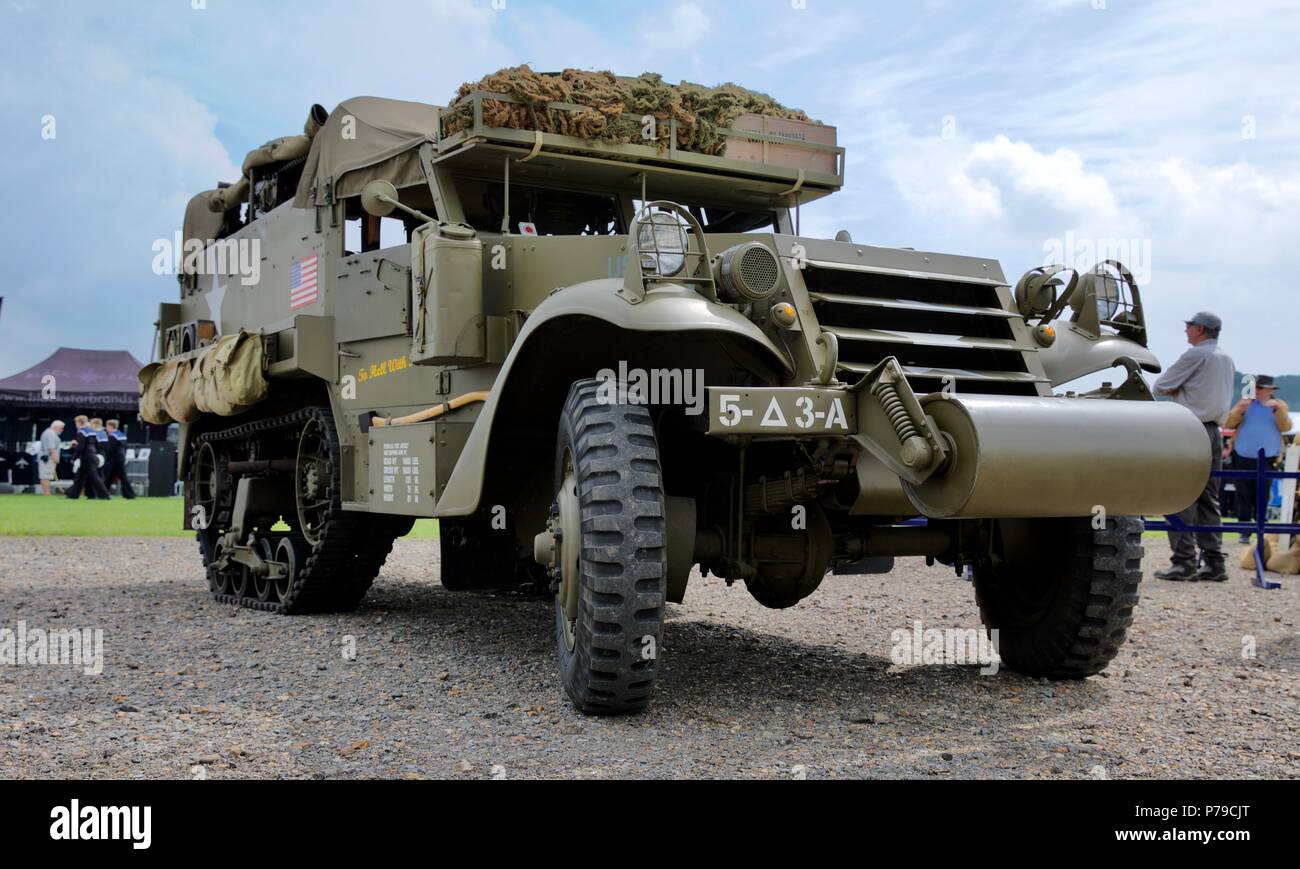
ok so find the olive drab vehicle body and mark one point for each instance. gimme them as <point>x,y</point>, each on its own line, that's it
<point>603,367</point>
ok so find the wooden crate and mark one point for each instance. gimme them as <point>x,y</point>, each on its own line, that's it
<point>795,155</point>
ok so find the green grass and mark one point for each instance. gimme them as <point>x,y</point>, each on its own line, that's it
<point>57,516</point>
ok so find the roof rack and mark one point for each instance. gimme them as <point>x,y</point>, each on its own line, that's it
<point>773,149</point>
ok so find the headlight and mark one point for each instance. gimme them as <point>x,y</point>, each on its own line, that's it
<point>1108,298</point>
<point>661,238</point>
<point>1116,292</point>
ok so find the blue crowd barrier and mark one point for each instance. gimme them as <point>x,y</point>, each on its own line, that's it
<point>1263,478</point>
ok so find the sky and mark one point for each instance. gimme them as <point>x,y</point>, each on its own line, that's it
<point>1024,131</point>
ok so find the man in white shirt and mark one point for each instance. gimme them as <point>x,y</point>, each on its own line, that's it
<point>1202,381</point>
<point>51,444</point>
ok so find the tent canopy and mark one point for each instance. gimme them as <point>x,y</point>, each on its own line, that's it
<point>105,379</point>
<point>366,138</point>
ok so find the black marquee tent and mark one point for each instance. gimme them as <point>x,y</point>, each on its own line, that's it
<point>90,379</point>
<point>99,383</point>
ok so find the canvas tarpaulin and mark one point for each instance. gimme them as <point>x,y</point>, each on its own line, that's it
<point>202,221</point>
<point>367,138</point>
<point>279,150</point>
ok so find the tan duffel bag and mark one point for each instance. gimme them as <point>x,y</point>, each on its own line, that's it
<point>228,377</point>
<point>177,391</point>
<point>151,404</point>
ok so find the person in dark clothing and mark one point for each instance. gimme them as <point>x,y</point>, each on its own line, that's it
<point>85,452</point>
<point>101,447</point>
<point>115,460</point>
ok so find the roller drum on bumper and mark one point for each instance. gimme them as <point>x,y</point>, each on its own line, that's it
<point>1020,457</point>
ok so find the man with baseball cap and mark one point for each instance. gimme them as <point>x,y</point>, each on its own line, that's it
<point>1259,419</point>
<point>1201,381</point>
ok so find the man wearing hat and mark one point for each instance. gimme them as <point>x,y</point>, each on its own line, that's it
<point>1260,422</point>
<point>1202,381</point>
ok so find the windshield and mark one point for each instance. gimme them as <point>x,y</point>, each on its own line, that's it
<point>733,220</point>
<point>548,211</point>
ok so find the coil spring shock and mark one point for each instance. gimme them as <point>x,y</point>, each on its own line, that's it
<point>916,452</point>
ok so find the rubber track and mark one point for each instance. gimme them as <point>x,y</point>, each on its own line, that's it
<point>343,564</point>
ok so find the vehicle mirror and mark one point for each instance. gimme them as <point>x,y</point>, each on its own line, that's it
<point>379,198</point>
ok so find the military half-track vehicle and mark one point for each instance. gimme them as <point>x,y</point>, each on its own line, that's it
<point>601,366</point>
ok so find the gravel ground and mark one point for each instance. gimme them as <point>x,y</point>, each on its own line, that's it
<point>463,685</point>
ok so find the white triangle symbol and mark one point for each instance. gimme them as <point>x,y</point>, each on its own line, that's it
<point>774,409</point>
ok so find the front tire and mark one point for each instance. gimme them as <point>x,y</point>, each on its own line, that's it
<point>611,553</point>
<point>1062,597</point>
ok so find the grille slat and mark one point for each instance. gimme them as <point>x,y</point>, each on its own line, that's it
<point>970,310</point>
<point>937,328</point>
<point>959,373</point>
<point>927,339</point>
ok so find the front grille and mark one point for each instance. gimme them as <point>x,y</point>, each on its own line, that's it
<point>936,327</point>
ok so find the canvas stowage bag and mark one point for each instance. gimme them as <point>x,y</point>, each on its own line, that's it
<point>151,404</point>
<point>176,393</point>
<point>228,376</point>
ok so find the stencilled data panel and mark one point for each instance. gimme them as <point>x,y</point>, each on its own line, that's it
<point>402,470</point>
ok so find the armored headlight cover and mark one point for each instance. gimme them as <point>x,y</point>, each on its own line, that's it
<point>661,240</point>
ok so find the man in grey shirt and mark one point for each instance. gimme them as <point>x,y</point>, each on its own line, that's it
<point>1201,381</point>
<point>51,443</point>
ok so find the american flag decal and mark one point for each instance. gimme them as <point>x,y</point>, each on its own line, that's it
<point>302,282</point>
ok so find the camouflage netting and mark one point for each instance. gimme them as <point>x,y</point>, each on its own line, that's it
<point>700,111</point>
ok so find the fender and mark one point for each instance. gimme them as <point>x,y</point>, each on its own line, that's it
<point>1076,354</point>
<point>666,308</point>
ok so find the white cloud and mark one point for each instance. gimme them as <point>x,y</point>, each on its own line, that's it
<point>681,29</point>
<point>1059,176</point>
<point>130,150</point>
<point>689,23</point>
<point>997,181</point>
<point>1238,190</point>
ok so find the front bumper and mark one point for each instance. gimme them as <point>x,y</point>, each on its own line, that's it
<point>990,456</point>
